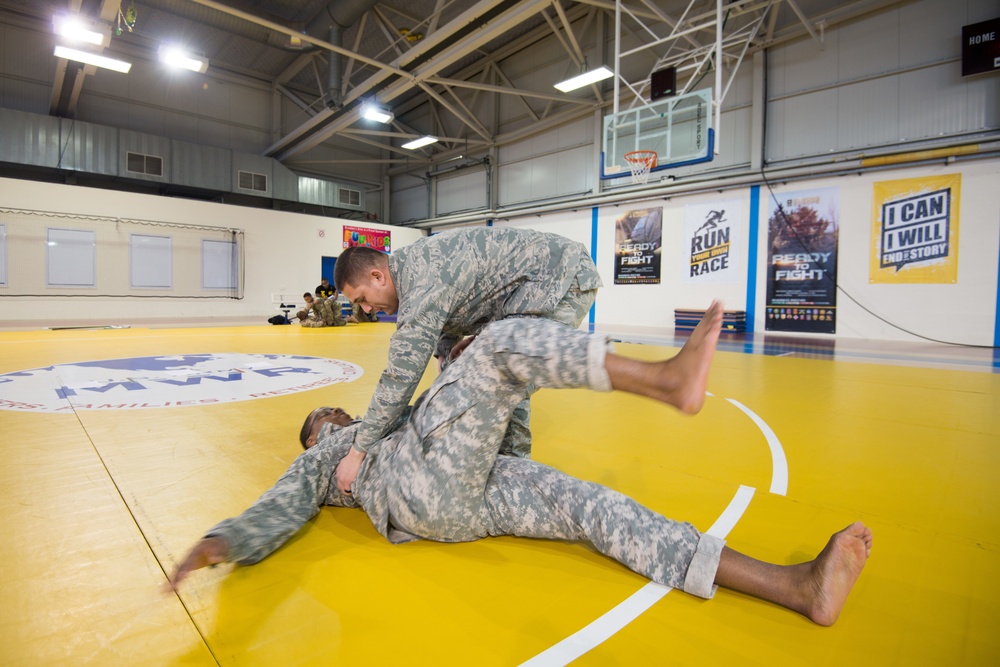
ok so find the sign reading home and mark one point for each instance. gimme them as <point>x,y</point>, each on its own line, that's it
<point>168,381</point>
<point>981,47</point>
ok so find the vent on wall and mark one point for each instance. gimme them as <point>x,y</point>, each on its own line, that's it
<point>144,164</point>
<point>348,197</point>
<point>247,180</point>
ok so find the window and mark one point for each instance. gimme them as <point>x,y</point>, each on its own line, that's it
<point>348,197</point>
<point>219,264</point>
<point>144,164</point>
<point>72,257</point>
<point>150,261</point>
<point>247,180</point>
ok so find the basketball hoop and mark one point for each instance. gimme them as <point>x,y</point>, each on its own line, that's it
<point>641,162</point>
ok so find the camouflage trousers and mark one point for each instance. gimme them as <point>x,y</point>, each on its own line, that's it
<point>570,311</point>
<point>446,481</point>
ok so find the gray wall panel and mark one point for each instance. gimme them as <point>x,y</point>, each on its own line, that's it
<point>409,204</point>
<point>868,47</point>
<point>317,191</point>
<point>150,121</point>
<point>896,81</point>
<point>89,147</point>
<point>180,126</point>
<point>201,166</point>
<point>807,125</point>
<point>215,133</point>
<point>864,115</point>
<point>942,101</point>
<point>801,65</point>
<point>108,111</point>
<point>461,192</point>
<point>25,95</point>
<point>930,29</point>
<point>248,140</point>
<point>285,182</point>
<point>29,138</point>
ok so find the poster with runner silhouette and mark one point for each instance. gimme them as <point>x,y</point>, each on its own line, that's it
<point>802,261</point>
<point>638,244</point>
<point>711,240</point>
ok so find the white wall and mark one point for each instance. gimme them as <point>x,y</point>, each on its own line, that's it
<point>283,254</point>
<point>963,312</point>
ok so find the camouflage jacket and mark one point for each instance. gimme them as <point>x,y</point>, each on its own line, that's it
<point>327,314</point>
<point>454,283</point>
<point>307,485</point>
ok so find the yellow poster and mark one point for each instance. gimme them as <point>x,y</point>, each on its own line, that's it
<point>915,230</point>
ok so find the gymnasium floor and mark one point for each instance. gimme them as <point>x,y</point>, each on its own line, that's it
<point>793,444</point>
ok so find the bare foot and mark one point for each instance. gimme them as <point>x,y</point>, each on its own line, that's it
<point>679,381</point>
<point>684,378</point>
<point>833,573</point>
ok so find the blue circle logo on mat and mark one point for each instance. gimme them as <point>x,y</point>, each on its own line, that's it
<point>168,381</point>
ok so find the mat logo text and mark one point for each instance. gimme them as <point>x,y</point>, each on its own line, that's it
<point>168,381</point>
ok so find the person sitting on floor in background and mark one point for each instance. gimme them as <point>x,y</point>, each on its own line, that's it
<point>327,313</point>
<point>438,474</point>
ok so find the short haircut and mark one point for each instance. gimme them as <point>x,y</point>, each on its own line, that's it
<point>354,263</point>
<point>307,425</point>
<point>307,295</point>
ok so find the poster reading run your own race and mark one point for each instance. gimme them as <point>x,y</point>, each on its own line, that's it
<point>802,261</point>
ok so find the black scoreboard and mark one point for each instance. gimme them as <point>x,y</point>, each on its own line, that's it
<point>981,47</point>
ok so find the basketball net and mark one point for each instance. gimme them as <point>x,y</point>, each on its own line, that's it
<point>640,163</point>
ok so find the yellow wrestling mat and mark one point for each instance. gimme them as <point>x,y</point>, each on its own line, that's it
<point>100,501</point>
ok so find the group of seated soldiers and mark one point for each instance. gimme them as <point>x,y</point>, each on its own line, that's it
<point>324,310</point>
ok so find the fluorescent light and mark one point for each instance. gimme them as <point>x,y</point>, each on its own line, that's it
<point>376,113</point>
<point>92,59</point>
<point>176,57</point>
<point>71,27</point>
<point>585,79</point>
<point>421,142</point>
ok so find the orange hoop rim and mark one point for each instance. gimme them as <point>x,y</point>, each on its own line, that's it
<point>641,157</point>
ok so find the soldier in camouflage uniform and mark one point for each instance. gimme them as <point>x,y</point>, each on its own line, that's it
<point>438,475</point>
<point>451,285</point>
<point>327,313</point>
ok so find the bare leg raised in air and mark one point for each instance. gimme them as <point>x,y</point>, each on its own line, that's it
<point>679,381</point>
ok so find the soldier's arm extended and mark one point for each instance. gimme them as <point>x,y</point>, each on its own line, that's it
<point>410,349</point>
<point>277,515</point>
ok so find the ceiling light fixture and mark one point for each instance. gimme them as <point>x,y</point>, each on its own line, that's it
<point>377,113</point>
<point>75,29</point>
<point>420,143</point>
<point>92,59</point>
<point>177,57</point>
<point>585,79</point>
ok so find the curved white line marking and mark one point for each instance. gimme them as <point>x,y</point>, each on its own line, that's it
<point>779,464</point>
<point>600,630</point>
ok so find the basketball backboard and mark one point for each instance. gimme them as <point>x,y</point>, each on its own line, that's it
<point>678,128</point>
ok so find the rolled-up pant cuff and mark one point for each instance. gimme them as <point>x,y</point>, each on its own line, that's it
<point>597,351</point>
<point>700,577</point>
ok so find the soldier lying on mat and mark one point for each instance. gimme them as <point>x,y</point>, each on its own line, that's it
<point>438,476</point>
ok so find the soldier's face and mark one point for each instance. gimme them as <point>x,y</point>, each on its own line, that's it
<point>322,416</point>
<point>375,293</point>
